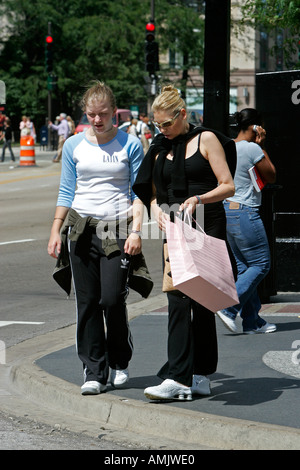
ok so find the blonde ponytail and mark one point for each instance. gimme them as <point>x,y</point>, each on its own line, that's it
<point>169,100</point>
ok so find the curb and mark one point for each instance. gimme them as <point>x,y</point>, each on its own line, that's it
<point>151,421</point>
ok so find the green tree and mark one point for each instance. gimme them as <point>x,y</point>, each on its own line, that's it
<point>276,15</point>
<point>97,40</point>
<point>181,31</point>
<point>92,40</point>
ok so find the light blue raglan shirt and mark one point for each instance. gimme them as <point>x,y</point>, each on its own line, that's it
<point>248,154</point>
<point>96,180</point>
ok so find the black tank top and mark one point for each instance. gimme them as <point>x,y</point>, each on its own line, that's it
<point>200,179</point>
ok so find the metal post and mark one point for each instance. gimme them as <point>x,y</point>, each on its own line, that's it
<point>49,100</point>
<point>152,10</point>
<point>153,79</point>
<point>216,65</point>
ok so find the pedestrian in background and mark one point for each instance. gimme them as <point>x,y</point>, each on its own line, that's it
<point>2,121</point>
<point>71,125</point>
<point>132,129</point>
<point>185,167</point>
<point>63,132</point>
<point>31,128</point>
<point>7,136</point>
<point>145,138</point>
<point>245,230</point>
<point>99,167</point>
<point>140,124</point>
<point>24,127</point>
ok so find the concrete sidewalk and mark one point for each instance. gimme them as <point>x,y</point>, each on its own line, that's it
<point>255,392</point>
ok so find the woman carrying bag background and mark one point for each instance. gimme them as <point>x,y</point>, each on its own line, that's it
<point>186,166</point>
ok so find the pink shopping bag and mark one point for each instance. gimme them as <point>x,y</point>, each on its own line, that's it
<point>200,266</point>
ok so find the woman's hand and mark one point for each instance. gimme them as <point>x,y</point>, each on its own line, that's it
<point>54,245</point>
<point>133,244</point>
<point>160,216</point>
<point>161,219</point>
<point>260,135</point>
<point>189,205</point>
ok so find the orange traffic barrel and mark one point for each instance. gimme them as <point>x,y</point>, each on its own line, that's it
<point>27,151</point>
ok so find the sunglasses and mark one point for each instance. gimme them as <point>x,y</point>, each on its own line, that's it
<point>167,123</point>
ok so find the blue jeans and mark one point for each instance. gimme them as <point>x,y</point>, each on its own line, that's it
<point>7,144</point>
<point>248,241</point>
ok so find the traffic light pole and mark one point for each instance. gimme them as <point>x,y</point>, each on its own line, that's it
<point>49,100</point>
<point>152,10</point>
<point>153,89</point>
<point>216,65</point>
<point>49,118</point>
<point>151,57</point>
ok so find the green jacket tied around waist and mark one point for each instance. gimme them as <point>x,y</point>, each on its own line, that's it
<point>73,227</point>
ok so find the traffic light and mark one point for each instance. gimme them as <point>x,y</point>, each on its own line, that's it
<point>49,54</point>
<point>151,49</point>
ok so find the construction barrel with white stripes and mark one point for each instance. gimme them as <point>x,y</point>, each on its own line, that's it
<point>27,151</point>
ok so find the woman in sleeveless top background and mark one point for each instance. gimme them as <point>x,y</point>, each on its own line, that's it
<point>184,167</point>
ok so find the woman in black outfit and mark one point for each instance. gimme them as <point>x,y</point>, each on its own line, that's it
<point>186,166</point>
<point>7,135</point>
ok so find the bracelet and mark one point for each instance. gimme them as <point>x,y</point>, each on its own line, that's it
<point>58,218</point>
<point>198,199</point>
<point>137,232</point>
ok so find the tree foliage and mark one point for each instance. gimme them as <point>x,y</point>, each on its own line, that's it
<point>276,15</point>
<point>101,40</point>
<point>105,40</point>
<point>92,40</point>
<point>270,14</point>
<point>182,29</point>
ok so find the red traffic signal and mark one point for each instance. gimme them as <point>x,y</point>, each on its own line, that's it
<point>49,53</point>
<point>150,27</point>
<point>150,31</point>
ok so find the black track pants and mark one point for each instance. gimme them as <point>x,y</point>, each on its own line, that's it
<point>101,289</point>
<point>192,341</point>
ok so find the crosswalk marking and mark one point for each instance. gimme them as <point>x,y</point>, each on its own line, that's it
<point>6,323</point>
<point>18,241</point>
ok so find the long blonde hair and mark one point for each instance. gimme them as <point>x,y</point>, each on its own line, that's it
<point>169,100</point>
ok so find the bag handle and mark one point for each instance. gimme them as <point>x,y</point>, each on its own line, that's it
<point>184,214</point>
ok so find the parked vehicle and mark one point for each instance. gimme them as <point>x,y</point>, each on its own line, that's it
<point>124,126</point>
<point>82,125</point>
<point>122,115</point>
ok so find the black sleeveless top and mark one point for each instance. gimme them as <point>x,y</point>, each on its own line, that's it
<point>200,179</point>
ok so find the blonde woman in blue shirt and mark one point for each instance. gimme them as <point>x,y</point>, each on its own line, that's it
<point>99,167</point>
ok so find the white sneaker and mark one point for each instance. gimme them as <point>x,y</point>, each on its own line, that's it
<point>267,328</point>
<point>91,387</point>
<point>119,377</point>
<point>168,390</point>
<point>228,322</point>
<point>201,385</point>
